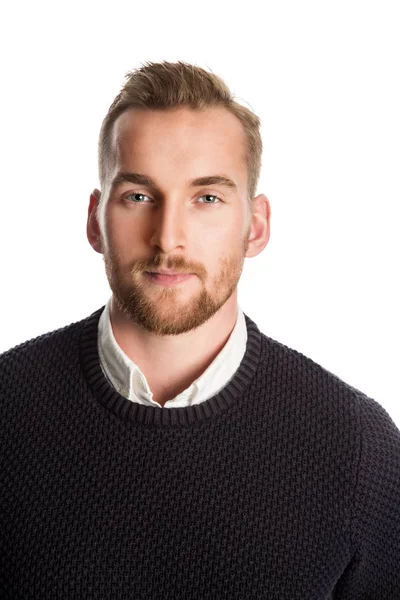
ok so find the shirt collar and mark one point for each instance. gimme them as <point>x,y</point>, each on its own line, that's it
<point>128,379</point>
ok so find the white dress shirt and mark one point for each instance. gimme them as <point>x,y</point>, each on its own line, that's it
<point>130,382</point>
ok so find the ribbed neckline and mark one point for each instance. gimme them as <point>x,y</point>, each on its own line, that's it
<point>127,410</point>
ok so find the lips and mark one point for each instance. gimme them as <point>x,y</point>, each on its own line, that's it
<point>172,273</point>
<point>168,280</point>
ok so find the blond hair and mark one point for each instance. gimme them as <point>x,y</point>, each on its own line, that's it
<point>168,85</point>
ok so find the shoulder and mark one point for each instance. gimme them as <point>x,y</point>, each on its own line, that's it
<point>326,408</point>
<point>312,387</point>
<point>37,346</point>
<point>35,359</point>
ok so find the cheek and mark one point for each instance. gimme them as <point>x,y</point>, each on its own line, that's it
<point>119,229</point>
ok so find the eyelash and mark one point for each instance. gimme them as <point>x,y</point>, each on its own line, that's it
<point>141,194</point>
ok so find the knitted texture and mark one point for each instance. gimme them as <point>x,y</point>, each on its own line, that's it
<point>285,485</point>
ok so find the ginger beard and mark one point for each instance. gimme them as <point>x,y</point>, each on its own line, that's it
<point>164,310</point>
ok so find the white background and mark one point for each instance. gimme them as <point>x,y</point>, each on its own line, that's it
<point>324,79</point>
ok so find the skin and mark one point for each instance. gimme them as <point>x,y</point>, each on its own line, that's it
<point>174,333</point>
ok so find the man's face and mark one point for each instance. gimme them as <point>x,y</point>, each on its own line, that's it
<point>171,225</point>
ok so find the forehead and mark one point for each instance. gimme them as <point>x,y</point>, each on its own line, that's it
<point>179,134</point>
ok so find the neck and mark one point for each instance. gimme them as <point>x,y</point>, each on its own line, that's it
<point>171,363</point>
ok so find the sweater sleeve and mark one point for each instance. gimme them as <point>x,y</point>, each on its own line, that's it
<point>374,571</point>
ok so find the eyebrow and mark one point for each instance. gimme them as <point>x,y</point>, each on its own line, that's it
<point>139,179</point>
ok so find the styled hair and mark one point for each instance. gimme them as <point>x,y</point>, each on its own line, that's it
<point>168,85</point>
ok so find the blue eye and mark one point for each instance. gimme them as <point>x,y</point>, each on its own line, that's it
<point>211,196</point>
<point>145,196</point>
<point>136,194</point>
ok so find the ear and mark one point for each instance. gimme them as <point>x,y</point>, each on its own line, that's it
<point>260,226</point>
<point>92,226</point>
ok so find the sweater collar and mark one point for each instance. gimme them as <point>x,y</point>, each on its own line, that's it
<point>233,393</point>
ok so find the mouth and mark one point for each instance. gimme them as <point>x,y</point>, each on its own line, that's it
<point>166,272</point>
<point>166,279</point>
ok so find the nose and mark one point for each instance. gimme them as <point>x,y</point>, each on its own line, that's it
<point>169,227</point>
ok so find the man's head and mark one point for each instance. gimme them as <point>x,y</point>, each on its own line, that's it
<point>173,124</point>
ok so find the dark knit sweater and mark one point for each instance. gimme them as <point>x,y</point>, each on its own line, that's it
<point>285,485</point>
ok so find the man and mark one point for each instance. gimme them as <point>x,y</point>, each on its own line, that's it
<point>164,447</point>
